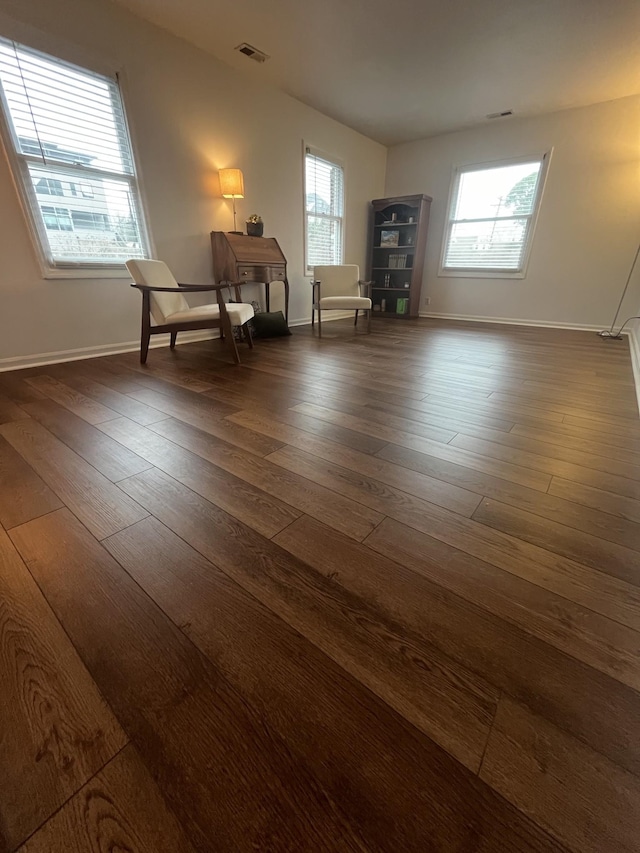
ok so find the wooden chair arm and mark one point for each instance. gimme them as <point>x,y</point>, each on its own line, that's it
<point>189,288</point>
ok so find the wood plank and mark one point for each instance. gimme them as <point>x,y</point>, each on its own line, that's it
<point>360,423</point>
<point>56,729</point>
<point>599,498</point>
<point>103,453</point>
<point>595,640</point>
<point>186,378</point>
<point>438,449</point>
<point>119,809</point>
<point>458,474</point>
<point>88,410</point>
<point>264,513</point>
<point>299,691</point>
<point>308,497</point>
<point>582,584</point>
<point>551,683</point>
<point>23,494</point>
<point>227,778</point>
<point>444,494</point>
<point>442,699</point>
<point>597,471</point>
<point>13,385</point>
<point>586,548</point>
<point>123,404</point>
<point>602,445</point>
<point>571,431</point>
<point>9,411</point>
<point>584,800</point>
<point>97,502</point>
<point>210,421</point>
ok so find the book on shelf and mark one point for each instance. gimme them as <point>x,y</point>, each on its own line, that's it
<point>398,261</point>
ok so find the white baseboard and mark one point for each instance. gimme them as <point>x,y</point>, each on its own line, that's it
<point>21,362</point>
<point>327,317</point>
<point>513,321</point>
<point>37,359</point>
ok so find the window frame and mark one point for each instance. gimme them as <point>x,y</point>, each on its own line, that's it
<point>335,161</point>
<point>544,159</point>
<point>26,191</point>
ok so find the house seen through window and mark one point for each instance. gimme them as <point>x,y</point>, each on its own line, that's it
<point>491,217</point>
<point>73,159</point>
<point>324,210</point>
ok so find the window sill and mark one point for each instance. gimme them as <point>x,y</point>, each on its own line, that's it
<point>480,274</point>
<point>85,273</point>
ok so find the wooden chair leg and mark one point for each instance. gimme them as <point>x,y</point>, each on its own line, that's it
<point>144,345</point>
<point>369,321</point>
<point>146,327</point>
<point>319,323</point>
<point>228,338</point>
<point>172,343</point>
<point>247,327</point>
<point>313,316</point>
<point>355,322</point>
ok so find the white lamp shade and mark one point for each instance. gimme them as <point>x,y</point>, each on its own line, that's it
<point>231,183</point>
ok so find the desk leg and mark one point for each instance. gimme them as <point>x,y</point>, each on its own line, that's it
<point>267,294</point>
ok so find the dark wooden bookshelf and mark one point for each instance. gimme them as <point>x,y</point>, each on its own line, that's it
<point>391,283</point>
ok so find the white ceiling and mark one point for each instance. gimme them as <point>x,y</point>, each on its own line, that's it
<point>403,69</point>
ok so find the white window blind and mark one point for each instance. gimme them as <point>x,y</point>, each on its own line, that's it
<point>491,217</point>
<point>75,165</point>
<point>324,206</point>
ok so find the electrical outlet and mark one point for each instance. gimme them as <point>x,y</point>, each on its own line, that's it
<point>427,300</point>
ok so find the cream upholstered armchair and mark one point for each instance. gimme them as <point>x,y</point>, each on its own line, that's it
<point>164,308</point>
<point>338,288</point>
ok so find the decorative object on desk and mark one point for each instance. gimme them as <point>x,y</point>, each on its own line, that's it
<point>255,226</point>
<point>270,324</point>
<point>232,186</point>
<point>407,285</point>
<point>389,238</point>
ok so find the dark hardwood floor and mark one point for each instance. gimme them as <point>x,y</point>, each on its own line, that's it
<point>371,593</point>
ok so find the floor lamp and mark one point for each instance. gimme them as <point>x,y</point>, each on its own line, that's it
<point>608,333</point>
<point>232,186</point>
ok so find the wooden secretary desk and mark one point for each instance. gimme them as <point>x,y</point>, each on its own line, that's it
<point>237,257</point>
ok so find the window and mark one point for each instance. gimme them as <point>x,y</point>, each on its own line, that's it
<point>324,210</point>
<point>56,218</point>
<point>491,218</point>
<point>47,186</point>
<point>89,221</point>
<point>68,137</point>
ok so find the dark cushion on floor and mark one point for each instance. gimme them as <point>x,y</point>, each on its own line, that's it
<point>270,324</point>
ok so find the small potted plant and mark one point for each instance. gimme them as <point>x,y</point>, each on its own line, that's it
<point>255,225</point>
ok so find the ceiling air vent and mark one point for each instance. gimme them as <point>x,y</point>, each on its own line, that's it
<point>503,114</point>
<point>252,52</point>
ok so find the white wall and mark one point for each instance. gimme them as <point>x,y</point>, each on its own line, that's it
<point>589,222</point>
<point>190,115</point>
